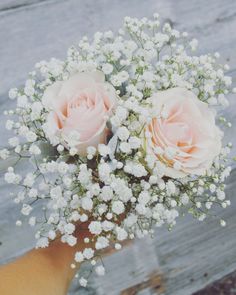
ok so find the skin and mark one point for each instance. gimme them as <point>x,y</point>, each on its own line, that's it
<point>43,271</point>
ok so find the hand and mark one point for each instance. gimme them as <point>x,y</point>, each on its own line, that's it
<point>44,271</point>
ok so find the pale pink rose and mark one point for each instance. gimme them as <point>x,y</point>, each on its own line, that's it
<point>184,129</point>
<point>78,110</point>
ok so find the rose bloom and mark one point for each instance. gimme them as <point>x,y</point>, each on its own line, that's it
<point>78,110</point>
<point>182,134</point>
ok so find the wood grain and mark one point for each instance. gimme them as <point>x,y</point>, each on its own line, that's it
<point>6,5</point>
<point>194,254</point>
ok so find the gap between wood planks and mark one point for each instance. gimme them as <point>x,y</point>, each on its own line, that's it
<point>154,282</point>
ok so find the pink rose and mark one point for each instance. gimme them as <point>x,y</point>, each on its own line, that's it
<point>183,133</point>
<point>78,110</point>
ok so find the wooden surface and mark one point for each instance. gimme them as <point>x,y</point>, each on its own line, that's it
<point>193,254</point>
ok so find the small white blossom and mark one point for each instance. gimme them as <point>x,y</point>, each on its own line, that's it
<point>107,69</point>
<point>31,136</point>
<point>71,240</point>
<point>123,133</point>
<point>34,150</point>
<point>9,124</point>
<point>18,223</point>
<point>121,234</point>
<point>29,180</point>
<point>4,154</point>
<point>101,243</point>
<point>100,270</point>
<point>222,223</point>
<point>87,203</point>
<point>32,221</point>
<point>63,168</point>
<point>184,199</point>
<point>106,193</point>
<point>91,151</point>
<point>69,228</point>
<point>83,282</point>
<point>14,141</point>
<point>118,207</point>
<point>60,148</point>
<point>95,227</point>
<point>171,188</point>
<point>88,253</point>
<point>51,234</point>
<point>26,209</point>
<point>104,171</point>
<point>220,195</point>
<point>11,177</point>
<point>79,257</point>
<point>22,101</point>
<point>12,93</point>
<point>121,113</point>
<point>118,246</point>
<point>107,225</point>
<point>42,243</point>
<point>125,147</point>
<point>134,142</point>
<point>103,150</point>
<point>33,192</point>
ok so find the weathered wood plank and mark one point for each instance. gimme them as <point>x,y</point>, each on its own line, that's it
<point>41,32</point>
<point>184,260</point>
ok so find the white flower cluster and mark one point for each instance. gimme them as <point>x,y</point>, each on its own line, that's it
<point>120,188</point>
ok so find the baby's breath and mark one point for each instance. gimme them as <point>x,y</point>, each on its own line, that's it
<point>119,185</point>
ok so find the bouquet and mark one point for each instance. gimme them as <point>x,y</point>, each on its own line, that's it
<point>122,135</point>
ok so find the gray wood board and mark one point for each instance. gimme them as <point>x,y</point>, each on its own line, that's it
<point>194,254</point>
